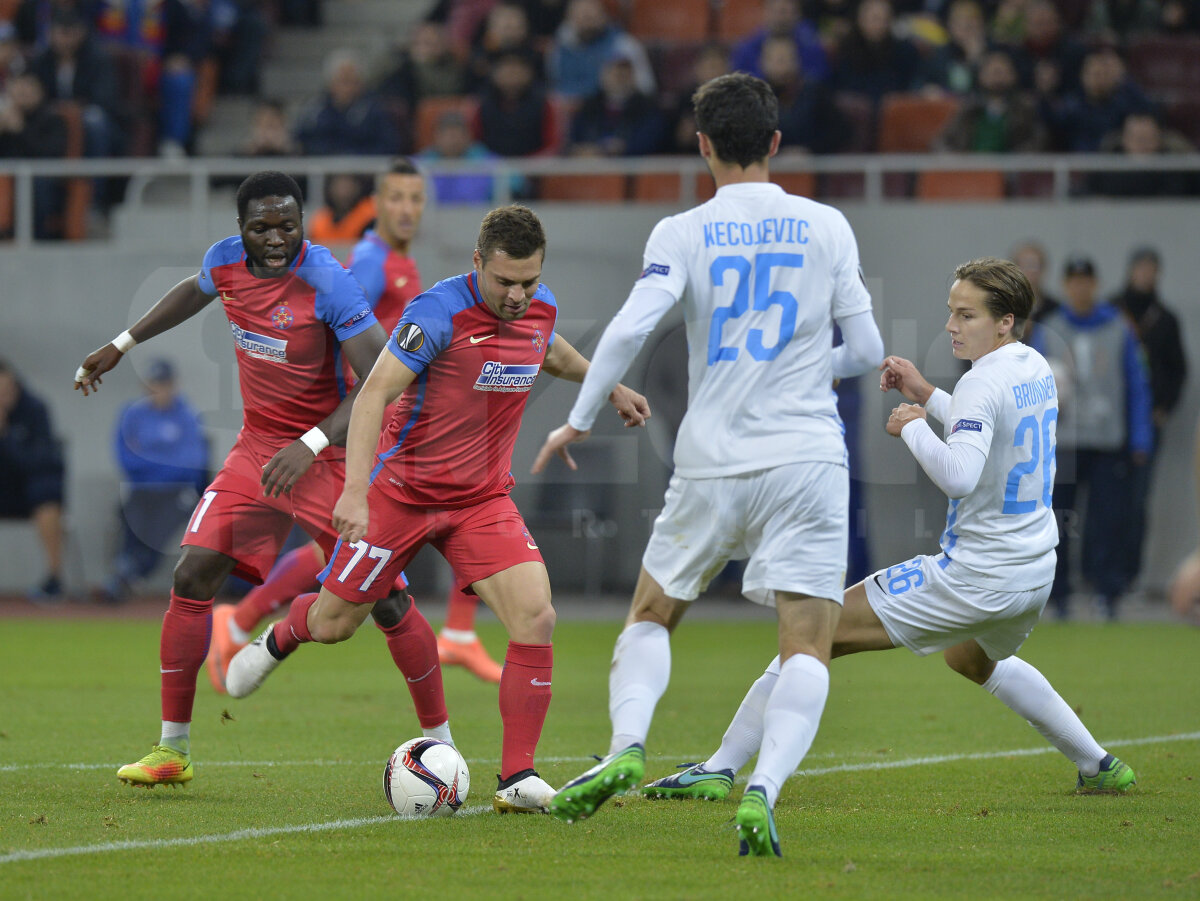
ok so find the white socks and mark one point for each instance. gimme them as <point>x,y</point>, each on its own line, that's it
<point>237,633</point>
<point>1027,693</point>
<point>744,735</point>
<point>441,733</point>
<point>176,735</point>
<point>459,636</point>
<point>790,721</point>
<point>641,669</point>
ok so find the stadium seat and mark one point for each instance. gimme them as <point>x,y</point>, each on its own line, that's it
<point>738,18</point>
<point>673,65</point>
<point>6,206</point>
<point>1168,68</point>
<point>431,109</point>
<point>859,112</point>
<point>657,21</point>
<point>960,185</point>
<point>589,188</point>
<point>657,187</point>
<point>909,123</point>
<point>801,183</point>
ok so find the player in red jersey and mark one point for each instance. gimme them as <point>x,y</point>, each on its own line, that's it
<point>390,278</point>
<point>289,303</point>
<point>462,362</point>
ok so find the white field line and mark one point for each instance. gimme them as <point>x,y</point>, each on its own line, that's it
<point>336,825</point>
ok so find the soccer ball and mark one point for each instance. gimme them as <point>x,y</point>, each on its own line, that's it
<point>425,777</point>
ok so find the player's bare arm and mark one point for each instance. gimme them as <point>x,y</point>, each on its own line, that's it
<point>283,470</point>
<point>179,304</point>
<point>564,362</point>
<point>388,380</point>
<point>902,375</point>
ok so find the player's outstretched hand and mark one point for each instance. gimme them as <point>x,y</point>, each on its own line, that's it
<point>350,516</point>
<point>556,443</point>
<point>98,362</point>
<point>902,375</point>
<point>632,407</point>
<point>902,416</point>
<point>284,469</point>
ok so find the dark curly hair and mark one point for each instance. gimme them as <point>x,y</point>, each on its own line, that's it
<point>268,184</point>
<point>739,114</point>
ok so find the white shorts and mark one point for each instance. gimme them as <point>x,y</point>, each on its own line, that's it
<point>790,521</point>
<point>925,606</point>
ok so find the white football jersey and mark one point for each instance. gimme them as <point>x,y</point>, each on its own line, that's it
<point>1004,531</point>
<point>762,275</point>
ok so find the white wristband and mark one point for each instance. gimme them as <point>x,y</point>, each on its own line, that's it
<point>124,342</point>
<point>315,440</point>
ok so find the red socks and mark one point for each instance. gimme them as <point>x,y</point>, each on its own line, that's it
<point>460,611</point>
<point>186,630</point>
<point>524,700</point>
<point>414,649</point>
<point>295,574</point>
<point>292,631</point>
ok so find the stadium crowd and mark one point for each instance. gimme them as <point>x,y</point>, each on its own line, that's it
<point>608,78</point>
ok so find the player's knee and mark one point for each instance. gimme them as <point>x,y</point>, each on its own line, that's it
<point>332,631</point>
<point>977,669</point>
<point>535,624</point>
<point>195,579</point>
<point>388,612</point>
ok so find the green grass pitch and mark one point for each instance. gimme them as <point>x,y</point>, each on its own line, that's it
<point>919,784</point>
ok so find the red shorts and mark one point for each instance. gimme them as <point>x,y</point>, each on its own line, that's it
<point>235,518</point>
<point>477,542</point>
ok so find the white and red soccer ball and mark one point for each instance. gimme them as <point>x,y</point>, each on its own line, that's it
<point>425,777</point>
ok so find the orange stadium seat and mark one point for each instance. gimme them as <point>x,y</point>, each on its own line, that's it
<point>802,183</point>
<point>671,21</point>
<point>431,109</point>
<point>589,188</point>
<point>738,18</point>
<point>909,123</point>
<point>657,187</point>
<point>960,185</point>
<point>6,206</point>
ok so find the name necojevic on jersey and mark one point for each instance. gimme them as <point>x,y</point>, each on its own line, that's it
<point>784,230</point>
<point>1035,392</point>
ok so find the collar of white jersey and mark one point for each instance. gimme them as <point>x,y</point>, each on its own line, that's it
<point>1012,347</point>
<point>750,187</point>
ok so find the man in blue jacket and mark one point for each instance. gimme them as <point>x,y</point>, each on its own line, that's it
<point>1105,432</point>
<point>162,450</point>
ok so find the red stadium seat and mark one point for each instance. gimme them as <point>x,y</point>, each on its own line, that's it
<point>960,185</point>
<point>801,183</point>
<point>657,187</point>
<point>738,18</point>
<point>669,21</point>
<point>909,123</point>
<point>585,188</point>
<point>431,109</point>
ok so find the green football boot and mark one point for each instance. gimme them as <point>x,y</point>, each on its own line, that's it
<point>756,825</point>
<point>616,773</point>
<point>695,782</point>
<point>1114,777</point>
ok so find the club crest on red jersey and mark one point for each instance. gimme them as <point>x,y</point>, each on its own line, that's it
<point>281,316</point>
<point>538,340</point>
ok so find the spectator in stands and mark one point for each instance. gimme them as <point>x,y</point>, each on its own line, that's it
<point>515,118</point>
<point>427,67</point>
<point>348,210</point>
<point>1106,96</point>
<point>1116,21</point>
<point>544,17</point>
<point>506,30</point>
<point>1104,433</point>
<point>31,474</point>
<point>783,18</point>
<point>809,121</point>
<point>1142,136</point>
<point>582,44</point>
<point>617,120</point>
<point>12,60</point>
<point>1158,329</point>
<point>463,21</point>
<point>269,134</point>
<point>75,67</point>
<point>1051,57</point>
<point>997,117</point>
<point>711,61</point>
<point>452,141</point>
<point>162,451</point>
<point>952,66</point>
<point>347,119</point>
<point>872,61</point>
<point>30,128</point>
<point>240,30</point>
<point>1180,17</point>
<point>833,20</point>
<point>1030,257</point>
